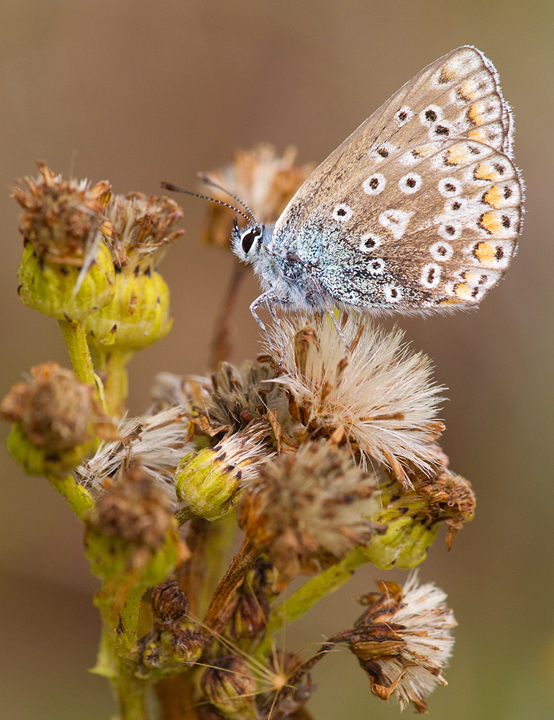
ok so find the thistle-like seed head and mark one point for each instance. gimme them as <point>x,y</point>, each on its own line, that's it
<point>307,510</point>
<point>157,442</point>
<point>403,640</point>
<point>376,394</point>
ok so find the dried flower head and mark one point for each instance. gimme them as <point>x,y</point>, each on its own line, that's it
<point>134,510</point>
<point>60,215</point>
<point>66,271</point>
<point>230,684</point>
<point>237,396</point>
<point>375,392</point>
<point>308,509</point>
<point>208,482</point>
<point>248,609</point>
<point>411,517</point>
<point>175,640</point>
<point>261,179</point>
<point>448,498</point>
<point>143,227</point>
<point>157,442</point>
<point>56,419</point>
<point>403,640</point>
<point>132,530</point>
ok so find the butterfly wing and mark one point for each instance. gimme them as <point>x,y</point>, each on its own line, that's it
<point>421,206</point>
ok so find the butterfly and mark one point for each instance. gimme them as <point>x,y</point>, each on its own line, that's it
<point>417,211</point>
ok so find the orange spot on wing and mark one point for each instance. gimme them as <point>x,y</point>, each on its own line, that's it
<point>463,291</point>
<point>475,116</point>
<point>457,155</point>
<point>485,171</point>
<point>493,196</point>
<point>491,223</point>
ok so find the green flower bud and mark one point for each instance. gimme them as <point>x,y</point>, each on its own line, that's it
<point>207,482</point>
<point>61,221</point>
<point>231,686</point>
<point>406,539</point>
<point>205,485</point>
<point>137,316</point>
<point>48,287</point>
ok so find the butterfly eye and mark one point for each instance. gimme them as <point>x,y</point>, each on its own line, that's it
<point>249,237</point>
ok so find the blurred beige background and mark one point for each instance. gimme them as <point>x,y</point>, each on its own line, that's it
<point>136,92</point>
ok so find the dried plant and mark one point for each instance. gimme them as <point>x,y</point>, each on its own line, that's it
<point>323,452</point>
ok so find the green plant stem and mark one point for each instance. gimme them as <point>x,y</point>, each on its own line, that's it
<point>78,498</point>
<point>118,638</point>
<point>76,340</point>
<point>313,590</point>
<point>116,383</point>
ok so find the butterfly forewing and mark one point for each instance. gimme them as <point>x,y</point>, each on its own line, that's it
<point>420,207</point>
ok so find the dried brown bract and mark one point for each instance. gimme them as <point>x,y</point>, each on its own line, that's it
<point>59,215</point>
<point>403,640</point>
<point>238,396</point>
<point>308,509</point>
<point>143,227</point>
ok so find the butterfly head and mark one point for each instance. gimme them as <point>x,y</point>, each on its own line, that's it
<point>246,241</point>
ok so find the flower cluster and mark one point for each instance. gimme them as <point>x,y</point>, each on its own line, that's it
<point>323,451</point>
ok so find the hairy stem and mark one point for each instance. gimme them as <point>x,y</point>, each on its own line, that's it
<point>76,340</point>
<point>78,498</point>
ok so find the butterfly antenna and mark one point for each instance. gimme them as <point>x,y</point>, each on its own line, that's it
<point>173,188</point>
<point>209,181</point>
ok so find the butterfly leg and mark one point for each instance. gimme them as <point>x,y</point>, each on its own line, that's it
<point>270,301</point>
<point>329,308</point>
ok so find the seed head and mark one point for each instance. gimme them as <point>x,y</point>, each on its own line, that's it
<point>375,393</point>
<point>157,442</point>
<point>403,640</point>
<point>59,215</point>
<point>143,227</point>
<point>307,510</point>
